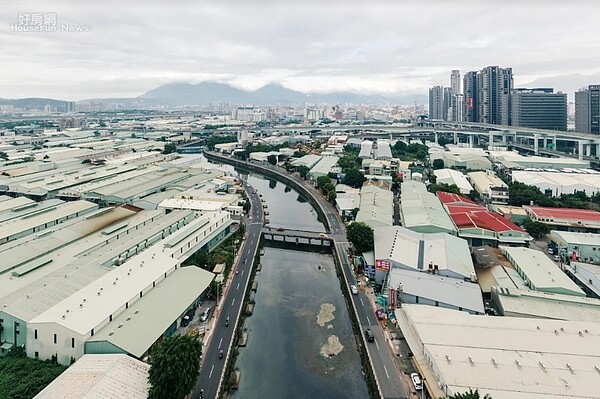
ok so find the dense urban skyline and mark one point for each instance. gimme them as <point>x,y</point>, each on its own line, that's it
<point>384,48</point>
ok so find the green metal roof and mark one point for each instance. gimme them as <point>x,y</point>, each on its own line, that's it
<point>147,319</point>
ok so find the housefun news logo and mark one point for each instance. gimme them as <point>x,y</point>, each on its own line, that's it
<point>44,22</point>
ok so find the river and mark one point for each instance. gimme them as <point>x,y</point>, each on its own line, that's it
<point>300,342</point>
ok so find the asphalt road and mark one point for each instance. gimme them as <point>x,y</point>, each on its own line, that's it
<point>391,380</point>
<point>212,367</point>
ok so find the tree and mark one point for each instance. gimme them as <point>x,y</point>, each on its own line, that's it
<point>535,229</point>
<point>443,141</point>
<point>448,188</point>
<point>326,186</point>
<point>522,194</point>
<point>354,178</point>
<point>174,367</point>
<point>331,195</point>
<point>474,195</point>
<point>170,148</point>
<point>400,146</point>
<point>361,236</point>
<point>3,155</point>
<point>438,164</point>
<point>469,395</point>
<point>22,377</point>
<point>272,159</point>
<point>303,170</point>
<point>350,161</point>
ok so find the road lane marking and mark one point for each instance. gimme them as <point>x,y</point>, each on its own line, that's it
<point>369,321</point>
<point>361,302</point>
<point>211,370</point>
<point>221,341</point>
<point>242,272</point>
<point>238,286</point>
<point>232,302</point>
<point>376,344</point>
<point>386,373</point>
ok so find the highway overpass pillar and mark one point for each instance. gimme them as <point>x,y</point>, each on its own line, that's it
<point>436,136</point>
<point>490,139</point>
<point>588,150</point>
<point>580,149</point>
<point>536,144</point>
<point>456,138</point>
<point>470,141</point>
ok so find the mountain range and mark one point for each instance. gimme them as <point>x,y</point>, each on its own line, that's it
<point>205,93</point>
<point>185,94</point>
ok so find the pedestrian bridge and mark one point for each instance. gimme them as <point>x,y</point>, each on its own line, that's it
<point>296,236</point>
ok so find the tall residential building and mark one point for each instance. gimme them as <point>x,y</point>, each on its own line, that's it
<point>457,108</point>
<point>587,110</point>
<point>494,85</point>
<point>471,104</point>
<point>539,108</point>
<point>455,114</point>
<point>455,81</point>
<point>436,102</point>
<point>448,103</point>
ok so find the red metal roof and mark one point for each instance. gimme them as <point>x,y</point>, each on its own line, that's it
<point>467,214</point>
<point>451,198</point>
<point>564,213</point>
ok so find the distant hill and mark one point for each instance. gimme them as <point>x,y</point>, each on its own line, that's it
<point>33,103</point>
<point>205,93</point>
<point>180,94</point>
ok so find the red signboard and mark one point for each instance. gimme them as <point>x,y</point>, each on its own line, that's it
<point>392,298</point>
<point>470,103</point>
<point>383,265</point>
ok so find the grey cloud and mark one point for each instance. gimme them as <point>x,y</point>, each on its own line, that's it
<point>379,46</point>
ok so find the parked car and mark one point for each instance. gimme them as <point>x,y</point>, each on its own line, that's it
<point>557,258</point>
<point>187,318</point>
<point>416,380</point>
<point>205,315</point>
<point>369,335</point>
<point>354,290</point>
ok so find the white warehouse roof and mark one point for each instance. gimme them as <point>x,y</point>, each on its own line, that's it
<point>417,251</point>
<point>505,357</point>
<point>451,176</point>
<point>101,377</point>
<point>560,182</point>
<point>540,271</point>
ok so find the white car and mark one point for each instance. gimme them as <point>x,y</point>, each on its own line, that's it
<point>416,380</point>
<point>354,290</point>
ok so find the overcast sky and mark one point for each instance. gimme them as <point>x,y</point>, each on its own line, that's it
<point>312,46</point>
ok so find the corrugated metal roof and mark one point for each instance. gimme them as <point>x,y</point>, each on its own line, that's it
<point>101,377</point>
<point>69,209</point>
<point>449,291</point>
<point>401,245</point>
<point>541,358</point>
<point>540,270</point>
<point>136,329</point>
